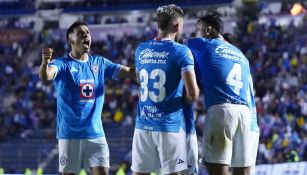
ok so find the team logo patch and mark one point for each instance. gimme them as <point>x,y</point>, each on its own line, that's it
<point>95,68</point>
<point>195,170</point>
<point>73,69</point>
<point>180,161</point>
<point>63,160</point>
<point>87,90</point>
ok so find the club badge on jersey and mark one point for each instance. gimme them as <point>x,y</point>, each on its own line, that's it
<point>87,90</point>
<point>95,68</point>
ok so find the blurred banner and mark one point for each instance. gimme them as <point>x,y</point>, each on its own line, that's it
<point>297,168</point>
<point>8,36</point>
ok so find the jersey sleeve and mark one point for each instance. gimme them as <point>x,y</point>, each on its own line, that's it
<point>187,60</point>
<point>58,64</point>
<point>136,56</point>
<point>111,69</point>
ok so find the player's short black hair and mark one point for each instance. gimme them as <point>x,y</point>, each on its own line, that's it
<point>73,26</point>
<point>214,20</point>
<point>166,14</point>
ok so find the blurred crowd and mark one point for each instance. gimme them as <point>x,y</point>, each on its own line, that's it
<point>86,4</point>
<point>278,59</point>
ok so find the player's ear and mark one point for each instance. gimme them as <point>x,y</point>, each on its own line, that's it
<point>208,31</point>
<point>71,38</point>
<point>176,27</point>
<point>70,41</point>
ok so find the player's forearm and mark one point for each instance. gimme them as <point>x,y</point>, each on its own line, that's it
<point>191,88</point>
<point>43,71</point>
<point>192,96</point>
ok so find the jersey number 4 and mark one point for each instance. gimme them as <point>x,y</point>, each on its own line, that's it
<point>234,78</point>
<point>158,84</point>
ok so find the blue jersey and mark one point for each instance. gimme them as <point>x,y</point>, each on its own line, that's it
<point>80,95</point>
<point>189,119</point>
<point>159,65</point>
<point>223,70</point>
<point>252,105</point>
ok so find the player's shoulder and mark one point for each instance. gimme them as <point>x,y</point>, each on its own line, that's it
<point>197,40</point>
<point>59,59</point>
<point>98,59</point>
<point>144,44</point>
<point>181,48</point>
<point>64,57</point>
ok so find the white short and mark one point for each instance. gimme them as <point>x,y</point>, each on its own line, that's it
<point>192,147</point>
<point>228,138</point>
<point>152,150</point>
<point>90,152</point>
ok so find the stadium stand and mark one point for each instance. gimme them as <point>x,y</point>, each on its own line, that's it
<point>276,45</point>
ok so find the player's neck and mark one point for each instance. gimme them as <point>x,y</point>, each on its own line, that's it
<point>167,36</point>
<point>220,37</point>
<point>78,55</point>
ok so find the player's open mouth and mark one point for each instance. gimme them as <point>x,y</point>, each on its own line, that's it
<point>86,43</point>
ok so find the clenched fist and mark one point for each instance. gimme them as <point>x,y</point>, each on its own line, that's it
<point>47,54</point>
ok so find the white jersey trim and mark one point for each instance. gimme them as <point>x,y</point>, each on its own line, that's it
<point>116,72</point>
<point>82,61</point>
<point>188,68</point>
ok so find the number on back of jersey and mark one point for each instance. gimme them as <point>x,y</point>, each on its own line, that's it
<point>234,78</point>
<point>159,78</point>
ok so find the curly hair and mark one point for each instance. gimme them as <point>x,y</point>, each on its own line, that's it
<point>166,15</point>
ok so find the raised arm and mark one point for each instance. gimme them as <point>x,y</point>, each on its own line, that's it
<point>46,72</point>
<point>190,84</point>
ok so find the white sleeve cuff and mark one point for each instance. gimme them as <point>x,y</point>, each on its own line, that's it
<point>188,68</point>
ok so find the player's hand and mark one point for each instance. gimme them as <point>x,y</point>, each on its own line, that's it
<point>132,69</point>
<point>185,41</point>
<point>47,55</point>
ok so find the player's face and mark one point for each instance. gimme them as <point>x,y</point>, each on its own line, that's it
<point>81,39</point>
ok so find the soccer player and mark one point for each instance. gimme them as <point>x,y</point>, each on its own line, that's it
<point>159,139</point>
<point>231,132</point>
<point>79,83</point>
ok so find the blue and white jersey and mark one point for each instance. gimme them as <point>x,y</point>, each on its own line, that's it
<point>252,105</point>
<point>159,64</point>
<point>80,95</point>
<point>223,70</point>
<point>189,119</point>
